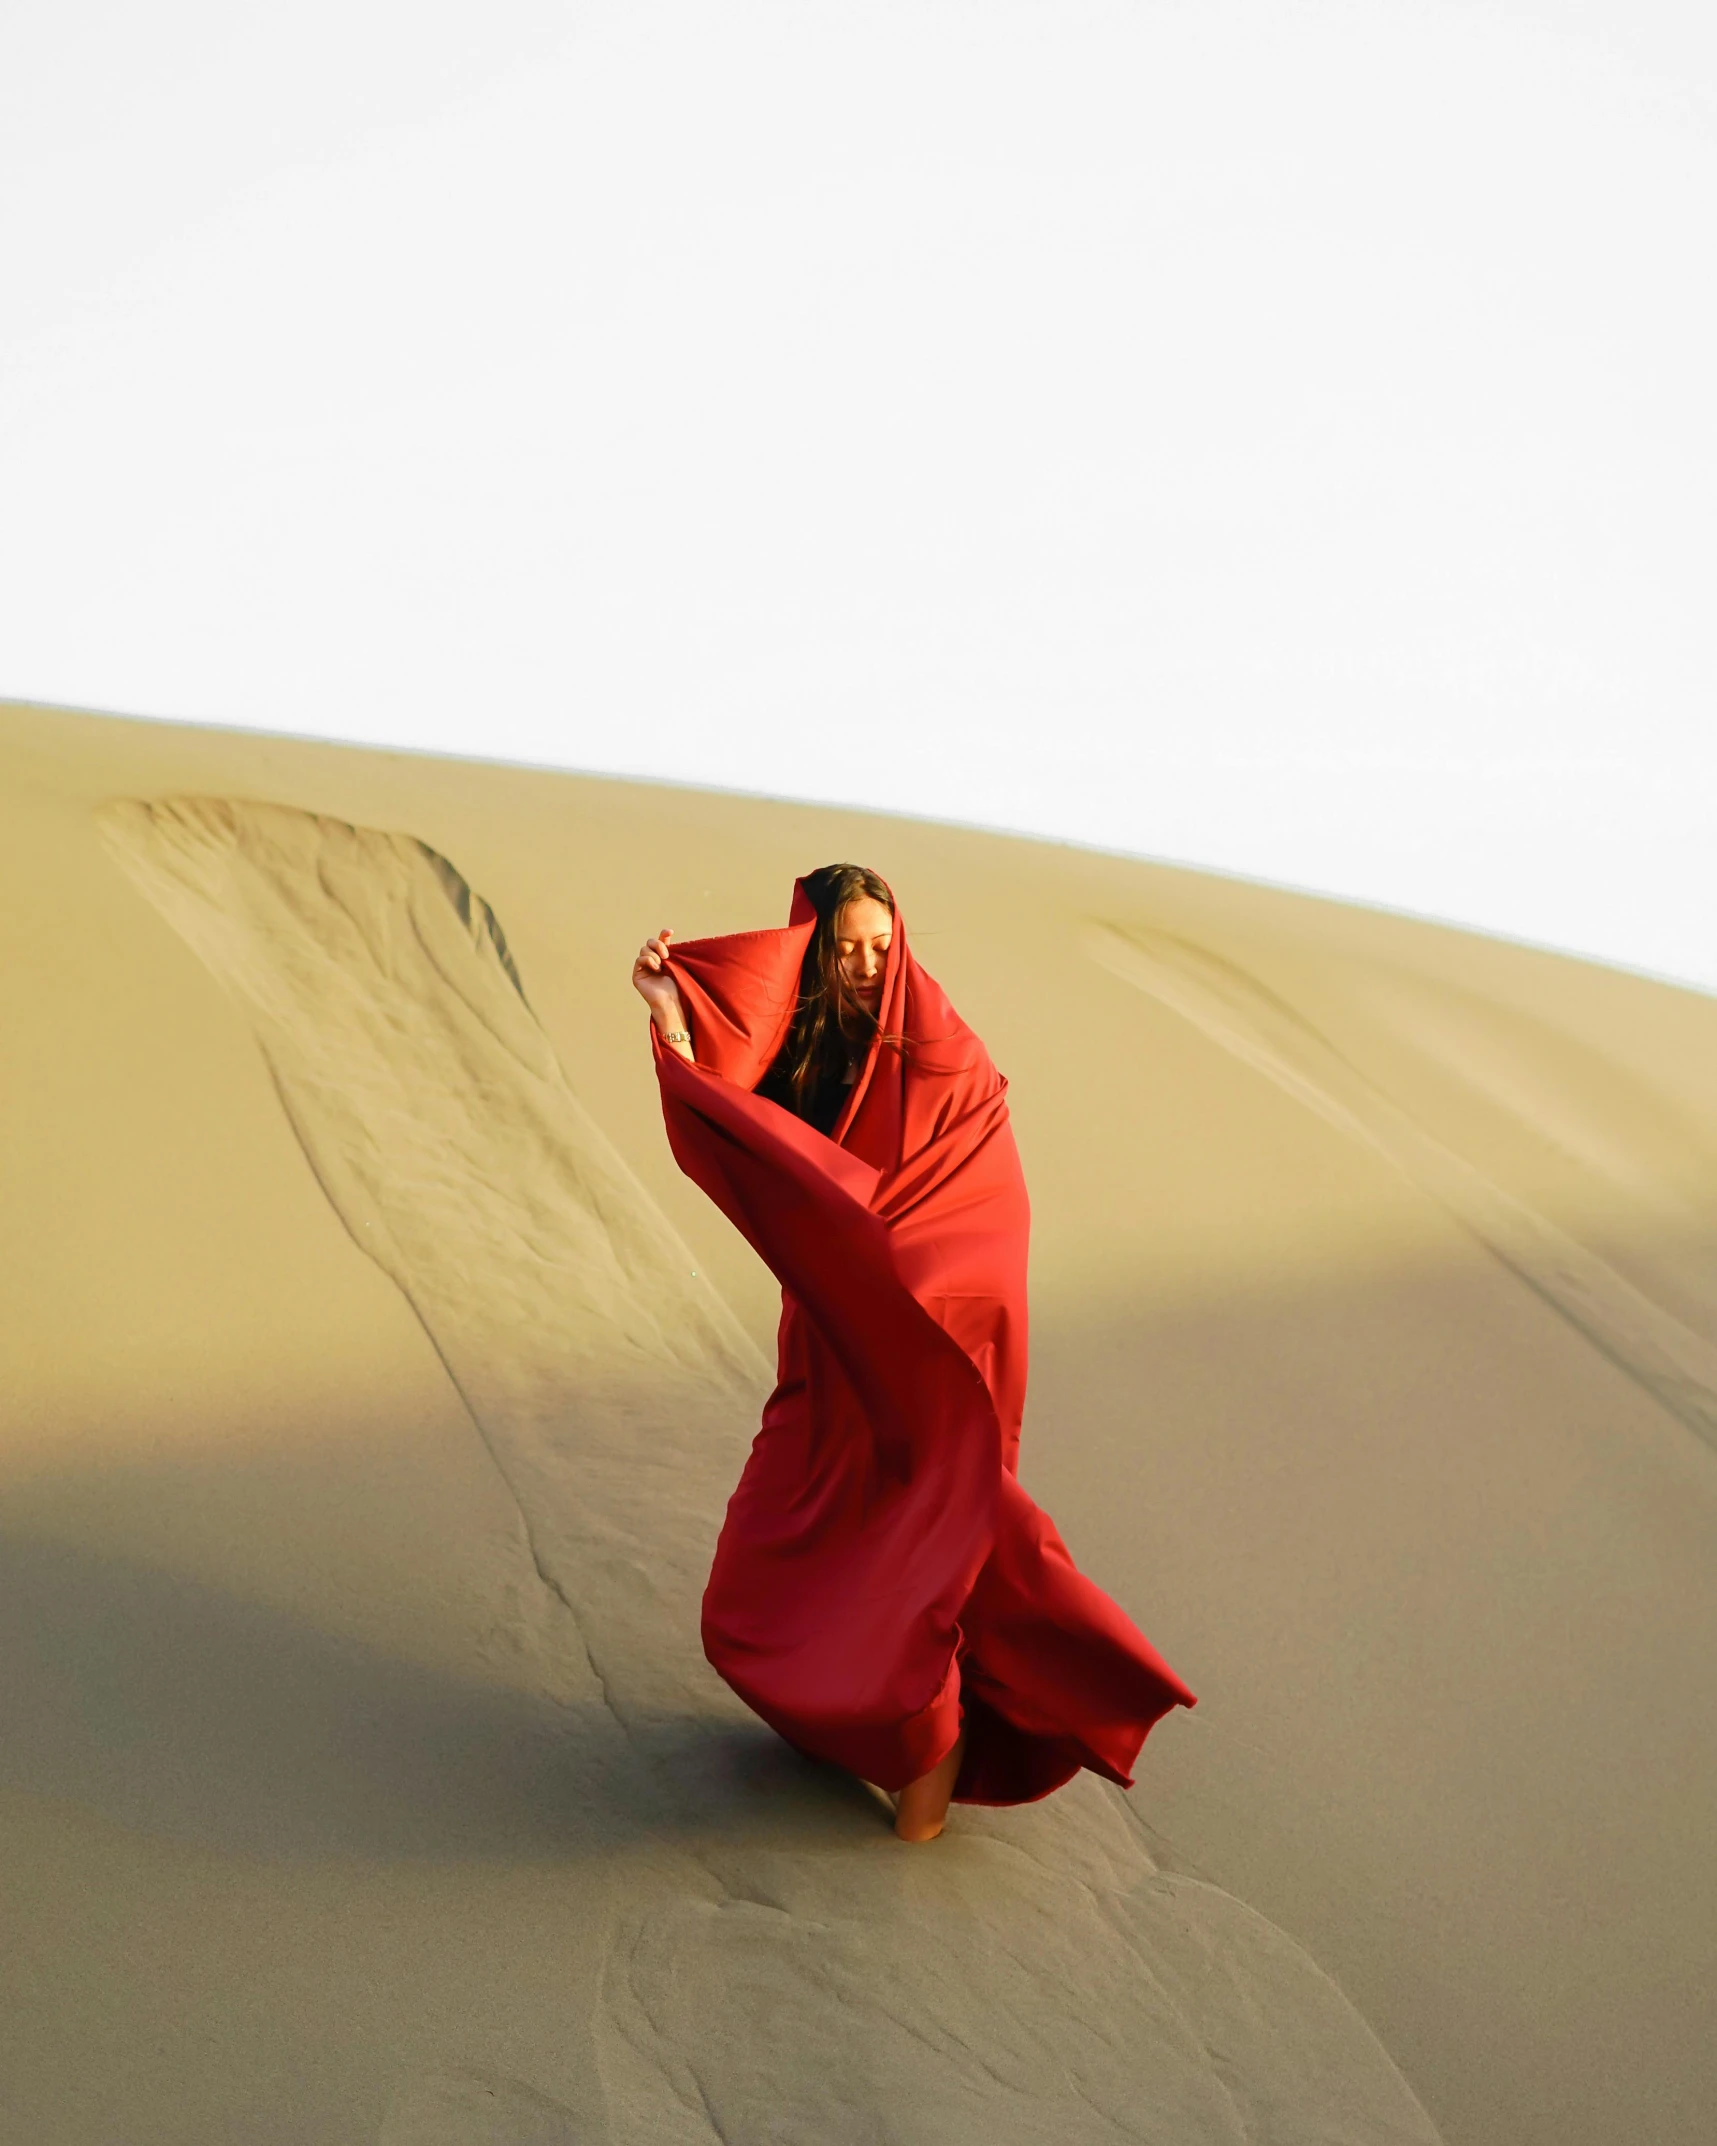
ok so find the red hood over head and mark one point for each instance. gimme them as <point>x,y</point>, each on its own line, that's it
<point>741,990</point>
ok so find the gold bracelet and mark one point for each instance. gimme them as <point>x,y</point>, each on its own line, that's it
<point>676,1035</point>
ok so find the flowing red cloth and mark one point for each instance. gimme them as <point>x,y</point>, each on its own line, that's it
<point>880,1571</point>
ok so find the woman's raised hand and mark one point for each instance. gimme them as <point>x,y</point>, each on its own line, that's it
<point>655,985</point>
<point>650,976</point>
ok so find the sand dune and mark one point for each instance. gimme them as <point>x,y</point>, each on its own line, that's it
<point>758,1985</point>
<point>376,1392</point>
<point>613,1387</point>
<point>1674,1365</point>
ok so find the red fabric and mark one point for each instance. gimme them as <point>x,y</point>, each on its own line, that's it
<point>880,1571</point>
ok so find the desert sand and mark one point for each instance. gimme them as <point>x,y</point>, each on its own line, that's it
<point>374,1383</point>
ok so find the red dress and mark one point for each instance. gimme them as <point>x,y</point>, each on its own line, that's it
<point>880,1572</point>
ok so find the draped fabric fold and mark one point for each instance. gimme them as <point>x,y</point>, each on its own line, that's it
<point>881,1573</point>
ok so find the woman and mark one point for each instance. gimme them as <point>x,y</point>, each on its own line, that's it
<point>884,1593</point>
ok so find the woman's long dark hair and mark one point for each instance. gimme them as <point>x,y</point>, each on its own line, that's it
<point>830,1030</point>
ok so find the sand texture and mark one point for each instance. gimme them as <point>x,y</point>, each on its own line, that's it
<point>1673,1364</point>
<point>376,1384</point>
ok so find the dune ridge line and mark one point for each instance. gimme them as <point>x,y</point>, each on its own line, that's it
<point>1241,1014</point>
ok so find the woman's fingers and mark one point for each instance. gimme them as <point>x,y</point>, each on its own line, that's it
<point>653,957</point>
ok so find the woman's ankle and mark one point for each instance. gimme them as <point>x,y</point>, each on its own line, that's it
<point>923,1807</point>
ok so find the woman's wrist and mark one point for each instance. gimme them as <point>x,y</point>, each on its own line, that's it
<point>671,1025</point>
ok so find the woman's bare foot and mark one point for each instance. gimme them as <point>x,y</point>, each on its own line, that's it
<point>921,1809</point>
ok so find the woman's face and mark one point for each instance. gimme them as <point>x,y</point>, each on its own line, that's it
<point>863,930</point>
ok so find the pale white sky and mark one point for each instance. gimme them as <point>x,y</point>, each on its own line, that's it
<point>1277,437</point>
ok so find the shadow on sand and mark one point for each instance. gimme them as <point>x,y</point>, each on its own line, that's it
<point>177,1708</point>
